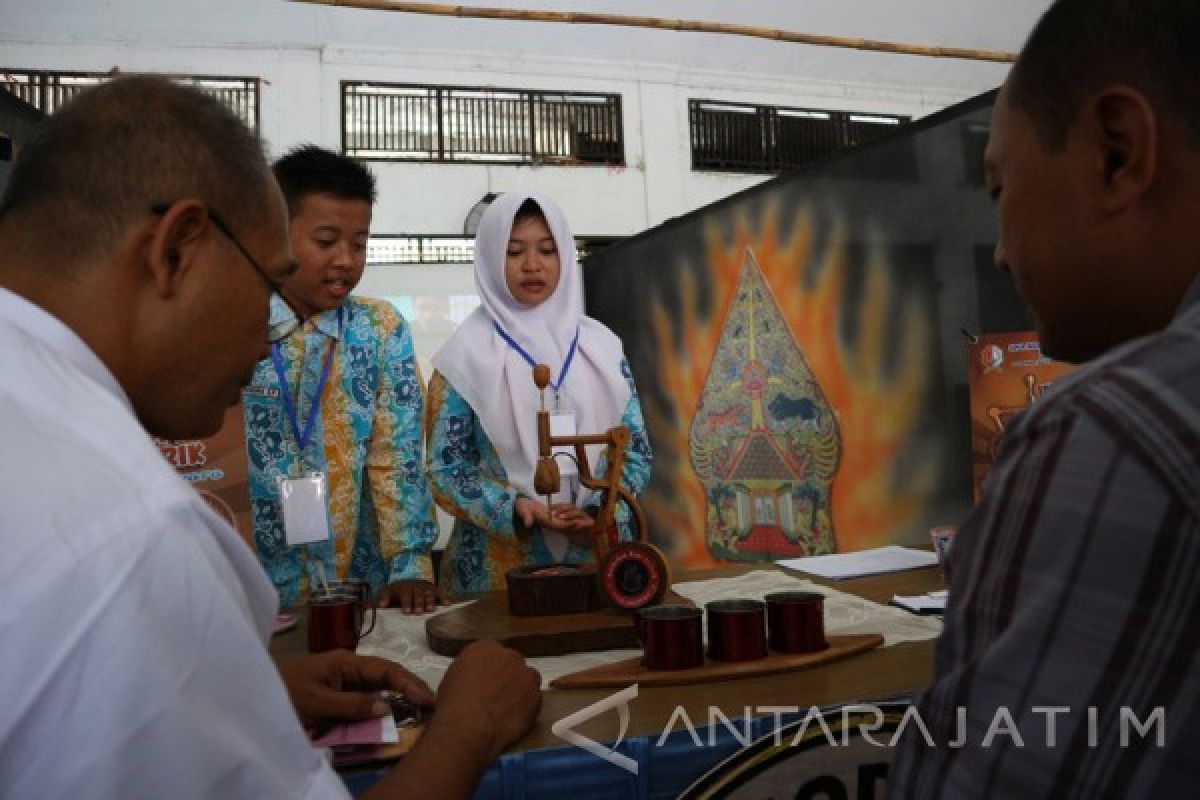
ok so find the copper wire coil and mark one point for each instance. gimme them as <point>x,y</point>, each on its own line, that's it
<point>737,630</point>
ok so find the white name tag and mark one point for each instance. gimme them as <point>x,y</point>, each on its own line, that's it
<point>305,509</point>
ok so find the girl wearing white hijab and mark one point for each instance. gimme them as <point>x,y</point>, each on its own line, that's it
<point>481,424</point>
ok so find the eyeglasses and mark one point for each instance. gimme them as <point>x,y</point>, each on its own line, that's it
<point>220,224</point>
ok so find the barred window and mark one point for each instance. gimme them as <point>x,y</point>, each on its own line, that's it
<point>384,249</point>
<point>746,138</point>
<point>403,122</point>
<point>387,249</point>
<point>48,91</point>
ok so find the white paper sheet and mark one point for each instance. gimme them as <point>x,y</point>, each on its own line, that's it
<point>892,558</point>
<point>401,637</point>
<point>929,603</point>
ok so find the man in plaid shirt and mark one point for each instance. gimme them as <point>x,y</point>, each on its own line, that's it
<point>1068,666</point>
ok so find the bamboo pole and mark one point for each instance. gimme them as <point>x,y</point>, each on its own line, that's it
<point>697,26</point>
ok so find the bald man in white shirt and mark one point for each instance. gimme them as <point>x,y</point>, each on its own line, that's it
<point>141,235</point>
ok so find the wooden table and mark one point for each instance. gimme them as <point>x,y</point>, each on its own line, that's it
<point>879,674</point>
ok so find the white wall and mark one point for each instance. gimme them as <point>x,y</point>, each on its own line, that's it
<point>302,52</point>
<point>656,183</point>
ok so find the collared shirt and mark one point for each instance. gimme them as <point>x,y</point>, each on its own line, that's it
<point>470,483</point>
<point>1074,609</point>
<point>366,439</point>
<point>134,620</point>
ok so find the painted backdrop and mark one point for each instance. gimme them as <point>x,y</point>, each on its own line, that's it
<point>798,351</point>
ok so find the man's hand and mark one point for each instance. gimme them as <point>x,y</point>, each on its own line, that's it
<point>411,597</point>
<point>490,696</point>
<point>487,700</point>
<point>341,685</point>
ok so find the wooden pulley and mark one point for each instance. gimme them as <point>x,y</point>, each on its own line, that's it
<point>634,575</point>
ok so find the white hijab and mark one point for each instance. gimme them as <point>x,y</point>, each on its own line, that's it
<point>497,381</point>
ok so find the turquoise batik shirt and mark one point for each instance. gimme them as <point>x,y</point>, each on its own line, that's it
<point>469,482</point>
<point>366,439</point>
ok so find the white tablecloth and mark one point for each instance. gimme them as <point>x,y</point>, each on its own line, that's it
<point>401,637</point>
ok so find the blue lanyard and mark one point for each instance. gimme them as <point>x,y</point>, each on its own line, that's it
<point>562,376</point>
<point>289,405</point>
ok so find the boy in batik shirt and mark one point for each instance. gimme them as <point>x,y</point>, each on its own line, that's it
<point>339,400</point>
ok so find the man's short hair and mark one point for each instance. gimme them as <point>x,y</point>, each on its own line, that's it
<point>309,169</point>
<point>1081,46</point>
<point>101,162</point>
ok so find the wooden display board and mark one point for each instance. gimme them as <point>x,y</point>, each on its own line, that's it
<point>488,618</point>
<point>629,671</point>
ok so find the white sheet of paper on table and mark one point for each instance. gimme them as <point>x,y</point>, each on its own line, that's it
<point>930,603</point>
<point>401,637</point>
<point>892,558</point>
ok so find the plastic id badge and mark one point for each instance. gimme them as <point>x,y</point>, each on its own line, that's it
<point>305,510</point>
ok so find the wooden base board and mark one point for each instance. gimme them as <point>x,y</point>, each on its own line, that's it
<point>629,671</point>
<point>488,618</point>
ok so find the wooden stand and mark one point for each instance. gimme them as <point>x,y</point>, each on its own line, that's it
<point>544,590</point>
<point>624,673</point>
<point>530,617</point>
<point>633,574</point>
<point>488,618</point>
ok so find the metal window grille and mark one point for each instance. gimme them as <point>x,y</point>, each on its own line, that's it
<point>48,91</point>
<point>748,138</point>
<point>383,249</point>
<point>401,122</point>
<point>387,249</point>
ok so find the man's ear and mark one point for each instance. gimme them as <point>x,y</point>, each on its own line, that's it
<point>175,243</point>
<point>1127,144</point>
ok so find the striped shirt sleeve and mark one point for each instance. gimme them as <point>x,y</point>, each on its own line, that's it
<point>1069,665</point>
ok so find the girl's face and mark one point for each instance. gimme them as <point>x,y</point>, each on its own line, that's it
<point>531,266</point>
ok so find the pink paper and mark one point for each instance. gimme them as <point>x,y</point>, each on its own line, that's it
<point>368,731</point>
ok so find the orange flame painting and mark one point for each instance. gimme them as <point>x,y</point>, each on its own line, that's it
<point>866,344</point>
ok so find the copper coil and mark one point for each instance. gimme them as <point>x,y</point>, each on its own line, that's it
<point>672,637</point>
<point>737,630</point>
<point>796,622</point>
